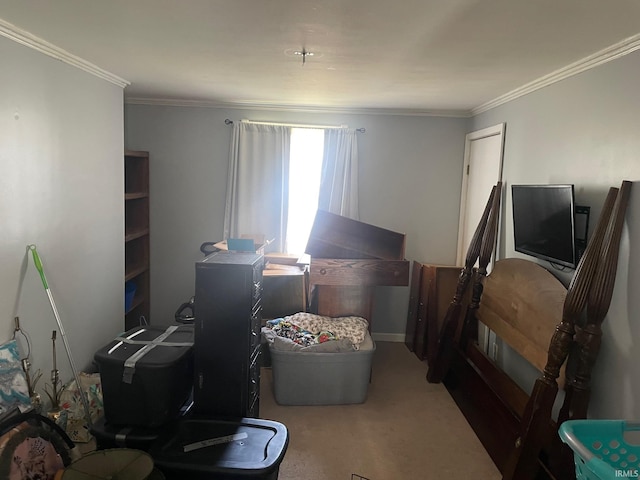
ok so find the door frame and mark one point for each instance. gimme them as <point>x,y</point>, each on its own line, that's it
<point>492,131</point>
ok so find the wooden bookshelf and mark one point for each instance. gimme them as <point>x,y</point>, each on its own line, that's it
<point>136,237</point>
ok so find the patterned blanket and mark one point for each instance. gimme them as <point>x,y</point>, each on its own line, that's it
<point>308,329</point>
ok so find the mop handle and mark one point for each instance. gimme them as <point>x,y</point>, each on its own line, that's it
<point>38,264</point>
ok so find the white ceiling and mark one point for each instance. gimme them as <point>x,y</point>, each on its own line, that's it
<point>403,55</point>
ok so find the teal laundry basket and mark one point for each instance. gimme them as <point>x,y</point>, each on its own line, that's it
<point>603,449</point>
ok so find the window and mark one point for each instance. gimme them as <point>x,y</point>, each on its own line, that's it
<point>260,200</point>
<point>305,165</point>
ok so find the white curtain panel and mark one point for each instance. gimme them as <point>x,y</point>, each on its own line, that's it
<point>339,181</point>
<point>258,182</point>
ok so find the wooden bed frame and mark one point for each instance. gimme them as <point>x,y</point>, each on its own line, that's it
<point>532,312</point>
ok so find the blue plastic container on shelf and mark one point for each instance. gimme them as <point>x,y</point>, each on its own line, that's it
<point>129,293</point>
<point>603,449</point>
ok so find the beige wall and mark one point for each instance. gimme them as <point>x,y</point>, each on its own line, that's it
<point>61,188</point>
<point>410,173</point>
<point>584,130</point>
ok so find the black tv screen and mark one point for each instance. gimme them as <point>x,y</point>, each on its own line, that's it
<point>543,222</point>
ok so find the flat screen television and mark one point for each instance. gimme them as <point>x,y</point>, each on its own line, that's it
<point>544,222</point>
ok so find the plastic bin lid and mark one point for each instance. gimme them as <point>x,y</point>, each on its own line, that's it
<point>222,446</point>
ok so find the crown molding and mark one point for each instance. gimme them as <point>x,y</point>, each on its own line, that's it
<point>23,37</point>
<point>617,50</point>
<point>176,102</point>
<point>613,52</point>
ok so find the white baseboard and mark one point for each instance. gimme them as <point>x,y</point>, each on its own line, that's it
<point>388,337</point>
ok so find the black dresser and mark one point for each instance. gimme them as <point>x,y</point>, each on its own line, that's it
<point>227,334</point>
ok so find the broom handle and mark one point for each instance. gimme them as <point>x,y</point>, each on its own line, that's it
<point>39,267</point>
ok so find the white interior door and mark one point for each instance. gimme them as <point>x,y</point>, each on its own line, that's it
<point>482,169</point>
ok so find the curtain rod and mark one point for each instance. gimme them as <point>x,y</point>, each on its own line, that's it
<point>294,125</point>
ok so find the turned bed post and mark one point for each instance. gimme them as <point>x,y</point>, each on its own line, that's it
<point>446,340</point>
<point>588,335</point>
<point>591,286</point>
<point>470,324</point>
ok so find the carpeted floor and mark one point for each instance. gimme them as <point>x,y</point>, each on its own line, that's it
<point>406,429</point>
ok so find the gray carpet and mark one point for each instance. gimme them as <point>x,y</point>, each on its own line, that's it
<point>406,429</point>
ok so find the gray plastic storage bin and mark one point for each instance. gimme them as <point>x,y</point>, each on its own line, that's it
<point>303,378</point>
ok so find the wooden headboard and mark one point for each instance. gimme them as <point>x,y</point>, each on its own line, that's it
<point>530,310</point>
<point>522,303</point>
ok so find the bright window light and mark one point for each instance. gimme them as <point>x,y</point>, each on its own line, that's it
<point>306,150</point>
